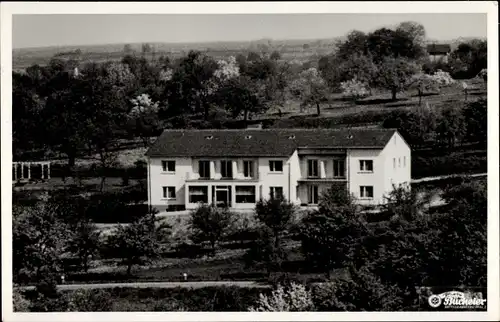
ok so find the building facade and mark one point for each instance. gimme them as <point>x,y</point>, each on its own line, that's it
<point>238,167</point>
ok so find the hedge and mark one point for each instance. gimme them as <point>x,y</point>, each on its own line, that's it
<point>455,163</point>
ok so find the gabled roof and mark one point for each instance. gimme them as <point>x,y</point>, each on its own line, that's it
<point>438,49</point>
<point>269,142</point>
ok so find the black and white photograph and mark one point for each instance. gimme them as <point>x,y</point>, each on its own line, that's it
<point>252,161</point>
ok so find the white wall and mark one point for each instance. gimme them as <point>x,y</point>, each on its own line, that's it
<point>269,179</point>
<point>159,179</point>
<point>397,149</point>
<point>295,174</point>
<point>357,178</point>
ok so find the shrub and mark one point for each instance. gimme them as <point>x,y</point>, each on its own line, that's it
<point>362,291</point>
<point>90,300</point>
<point>294,298</point>
<point>20,302</point>
<point>213,298</point>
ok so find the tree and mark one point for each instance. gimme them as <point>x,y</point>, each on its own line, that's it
<point>476,119</point>
<point>294,298</point>
<point>404,42</point>
<point>275,216</point>
<point>473,54</point>
<point>127,49</point>
<point>451,126</point>
<point>414,30</point>
<point>39,238</point>
<point>85,242</point>
<point>190,88</point>
<point>462,236</point>
<point>354,89</point>
<point>332,235</point>
<point>395,74</point>
<point>209,223</point>
<point>144,114</point>
<point>275,55</point>
<point>400,252</point>
<point>354,45</point>
<point>27,109</point>
<point>138,242</point>
<point>416,126</point>
<point>104,115</point>
<point>340,68</point>
<point>425,82</point>
<point>310,88</point>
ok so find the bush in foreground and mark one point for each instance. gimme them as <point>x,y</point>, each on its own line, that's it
<point>294,298</point>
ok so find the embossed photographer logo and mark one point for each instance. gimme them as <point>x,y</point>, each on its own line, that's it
<point>457,300</point>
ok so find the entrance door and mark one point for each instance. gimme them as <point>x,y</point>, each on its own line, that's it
<point>222,196</point>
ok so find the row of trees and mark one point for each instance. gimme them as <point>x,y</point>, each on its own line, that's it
<point>103,102</point>
<point>415,246</point>
<point>446,127</point>
<point>387,261</point>
<point>394,59</point>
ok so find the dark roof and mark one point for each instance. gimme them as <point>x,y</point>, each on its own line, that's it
<point>269,142</point>
<point>437,49</point>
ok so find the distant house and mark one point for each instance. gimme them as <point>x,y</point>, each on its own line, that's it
<point>439,52</point>
<point>236,168</point>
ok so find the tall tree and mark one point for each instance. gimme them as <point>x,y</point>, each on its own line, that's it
<point>39,238</point>
<point>276,216</point>
<point>395,74</point>
<point>138,242</point>
<point>190,88</point>
<point>310,88</point>
<point>332,236</point>
<point>209,223</point>
<point>144,115</point>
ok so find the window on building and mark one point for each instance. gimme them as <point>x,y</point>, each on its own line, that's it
<point>248,169</point>
<point>338,168</point>
<point>404,162</point>
<point>394,163</point>
<point>366,165</point>
<point>366,191</point>
<point>312,168</point>
<point>399,162</point>
<point>275,166</point>
<point>169,192</point>
<point>226,169</point>
<point>168,166</point>
<point>276,192</point>
<point>245,194</point>
<point>204,169</point>
<point>312,195</point>
<point>198,194</point>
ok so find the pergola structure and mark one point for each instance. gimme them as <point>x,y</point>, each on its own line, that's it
<point>21,171</point>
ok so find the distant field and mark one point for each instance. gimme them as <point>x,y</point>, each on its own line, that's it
<point>289,49</point>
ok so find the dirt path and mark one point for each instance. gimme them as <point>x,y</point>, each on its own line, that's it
<point>68,287</point>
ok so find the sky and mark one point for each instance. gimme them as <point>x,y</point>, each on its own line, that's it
<point>71,29</point>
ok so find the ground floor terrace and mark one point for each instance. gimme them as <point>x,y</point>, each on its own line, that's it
<point>243,195</point>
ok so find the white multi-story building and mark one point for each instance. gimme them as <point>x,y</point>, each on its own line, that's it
<point>239,167</point>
